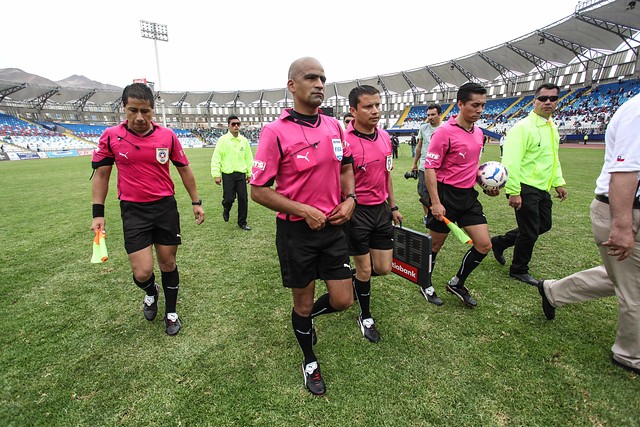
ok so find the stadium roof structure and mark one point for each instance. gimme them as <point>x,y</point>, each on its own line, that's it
<point>596,28</point>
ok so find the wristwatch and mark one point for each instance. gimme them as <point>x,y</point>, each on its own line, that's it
<point>198,203</point>
<point>353,196</point>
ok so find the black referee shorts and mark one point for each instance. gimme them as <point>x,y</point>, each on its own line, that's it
<point>462,207</point>
<point>370,228</point>
<point>307,255</point>
<point>147,223</point>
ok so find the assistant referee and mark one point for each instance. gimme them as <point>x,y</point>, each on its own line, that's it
<point>142,150</point>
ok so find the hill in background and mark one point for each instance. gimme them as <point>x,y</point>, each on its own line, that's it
<point>19,76</point>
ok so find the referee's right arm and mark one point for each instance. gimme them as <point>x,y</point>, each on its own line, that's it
<point>99,189</point>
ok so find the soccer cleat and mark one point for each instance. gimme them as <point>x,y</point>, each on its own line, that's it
<point>462,292</point>
<point>430,295</point>
<point>547,308</point>
<point>313,379</point>
<point>150,305</point>
<point>172,324</point>
<point>497,252</point>
<point>368,329</point>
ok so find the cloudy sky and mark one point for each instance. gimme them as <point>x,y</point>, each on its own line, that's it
<point>229,45</point>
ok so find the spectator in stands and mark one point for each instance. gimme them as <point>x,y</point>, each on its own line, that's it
<point>424,137</point>
<point>370,231</point>
<point>304,153</point>
<point>531,159</point>
<point>413,143</point>
<point>395,144</point>
<point>615,220</point>
<point>142,150</point>
<point>231,165</point>
<point>346,119</point>
<point>453,154</point>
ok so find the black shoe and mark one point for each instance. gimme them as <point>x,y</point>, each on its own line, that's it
<point>150,309</point>
<point>549,310</point>
<point>498,253</point>
<point>433,298</point>
<point>463,293</point>
<point>172,327</point>
<point>245,227</point>
<point>623,366</point>
<point>313,379</point>
<point>526,278</point>
<point>225,215</point>
<point>368,329</point>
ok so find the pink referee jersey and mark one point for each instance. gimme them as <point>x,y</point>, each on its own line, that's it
<point>372,163</point>
<point>305,161</point>
<point>142,162</point>
<point>455,153</point>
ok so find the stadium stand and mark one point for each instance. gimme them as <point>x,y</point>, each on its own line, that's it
<point>33,137</point>
<point>595,80</point>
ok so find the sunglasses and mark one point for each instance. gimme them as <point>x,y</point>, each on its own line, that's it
<point>234,124</point>
<point>547,98</point>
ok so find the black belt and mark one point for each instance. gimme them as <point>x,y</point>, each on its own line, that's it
<point>605,199</point>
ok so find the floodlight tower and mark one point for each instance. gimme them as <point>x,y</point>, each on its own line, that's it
<point>151,30</point>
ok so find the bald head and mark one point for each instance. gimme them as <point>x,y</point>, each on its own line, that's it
<point>299,65</point>
<point>306,84</point>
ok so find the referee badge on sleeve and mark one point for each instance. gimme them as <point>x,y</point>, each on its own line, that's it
<point>389,163</point>
<point>162,155</point>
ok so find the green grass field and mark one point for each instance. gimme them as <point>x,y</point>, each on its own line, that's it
<point>77,350</point>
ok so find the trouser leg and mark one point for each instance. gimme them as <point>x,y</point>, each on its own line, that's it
<point>533,217</point>
<point>228,191</point>
<point>241,191</point>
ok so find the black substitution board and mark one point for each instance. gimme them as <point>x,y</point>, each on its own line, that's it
<point>411,255</point>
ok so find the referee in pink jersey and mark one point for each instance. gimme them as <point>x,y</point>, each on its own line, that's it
<point>304,153</point>
<point>142,150</point>
<point>370,231</point>
<point>450,167</point>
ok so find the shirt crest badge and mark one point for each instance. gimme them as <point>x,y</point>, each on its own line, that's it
<point>337,148</point>
<point>162,155</point>
<point>389,163</point>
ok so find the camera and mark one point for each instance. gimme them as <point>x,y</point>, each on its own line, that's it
<point>411,174</point>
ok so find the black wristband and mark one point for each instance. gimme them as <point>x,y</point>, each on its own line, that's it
<point>395,208</point>
<point>98,210</point>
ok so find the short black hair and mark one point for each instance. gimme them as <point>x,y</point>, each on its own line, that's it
<point>358,91</point>
<point>231,117</point>
<point>465,91</point>
<point>436,106</point>
<point>138,91</point>
<point>550,86</point>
